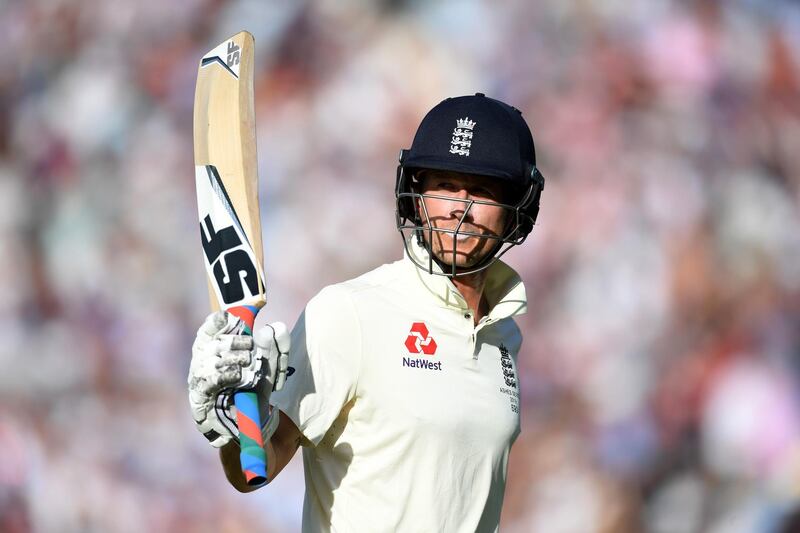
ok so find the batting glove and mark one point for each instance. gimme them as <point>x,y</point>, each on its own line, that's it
<point>225,361</point>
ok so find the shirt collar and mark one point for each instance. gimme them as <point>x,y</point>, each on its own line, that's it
<point>504,289</point>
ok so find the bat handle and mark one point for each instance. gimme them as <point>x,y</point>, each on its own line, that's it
<point>252,455</point>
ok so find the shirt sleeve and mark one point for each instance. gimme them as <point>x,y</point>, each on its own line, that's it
<point>326,356</point>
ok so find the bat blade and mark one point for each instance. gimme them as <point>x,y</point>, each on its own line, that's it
<point>233,269</point>
<point>227,199</point>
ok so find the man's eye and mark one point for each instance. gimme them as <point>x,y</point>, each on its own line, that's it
<point>447,186</point>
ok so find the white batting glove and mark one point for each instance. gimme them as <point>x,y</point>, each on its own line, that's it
<point>225,361</point>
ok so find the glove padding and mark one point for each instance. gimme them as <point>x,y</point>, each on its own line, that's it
<point>225,361</point>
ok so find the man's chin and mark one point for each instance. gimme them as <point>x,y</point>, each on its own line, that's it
<point>463,261</point>
<point>467,254</point>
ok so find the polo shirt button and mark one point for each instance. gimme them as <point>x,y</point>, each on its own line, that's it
<point>467,315</point>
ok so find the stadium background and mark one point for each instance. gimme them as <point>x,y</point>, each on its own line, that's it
<point>660,369</point>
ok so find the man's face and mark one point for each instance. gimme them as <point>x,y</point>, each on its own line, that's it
<point>456,190</point>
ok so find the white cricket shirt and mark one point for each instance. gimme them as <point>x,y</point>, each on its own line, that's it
<point>409,409</point>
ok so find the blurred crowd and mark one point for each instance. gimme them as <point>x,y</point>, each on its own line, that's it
<point>660,372</point>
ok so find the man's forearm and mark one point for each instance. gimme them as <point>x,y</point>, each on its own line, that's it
<point>229,456</point>
<point>280,450</point>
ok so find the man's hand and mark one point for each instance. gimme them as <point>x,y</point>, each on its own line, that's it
<point>224,361</point>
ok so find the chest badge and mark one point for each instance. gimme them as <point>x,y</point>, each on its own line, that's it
<point>508,367</point>
<point>510,377</point>
<point>419,340</point>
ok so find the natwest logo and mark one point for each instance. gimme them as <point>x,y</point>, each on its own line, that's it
<point>419,340</point>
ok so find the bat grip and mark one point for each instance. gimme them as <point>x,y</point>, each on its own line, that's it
<point>252,455</point>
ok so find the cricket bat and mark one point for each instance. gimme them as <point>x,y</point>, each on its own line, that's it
<point>226,175</point>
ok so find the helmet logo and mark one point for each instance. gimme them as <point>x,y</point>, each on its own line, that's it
<point>462,136</point>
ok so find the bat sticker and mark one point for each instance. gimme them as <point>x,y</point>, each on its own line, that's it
<point>230,259</point>
<point>230,51</point>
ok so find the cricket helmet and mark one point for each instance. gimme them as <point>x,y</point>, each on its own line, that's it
<point>472,135</point>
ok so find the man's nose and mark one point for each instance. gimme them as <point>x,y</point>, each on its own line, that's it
<point>461,203</point>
